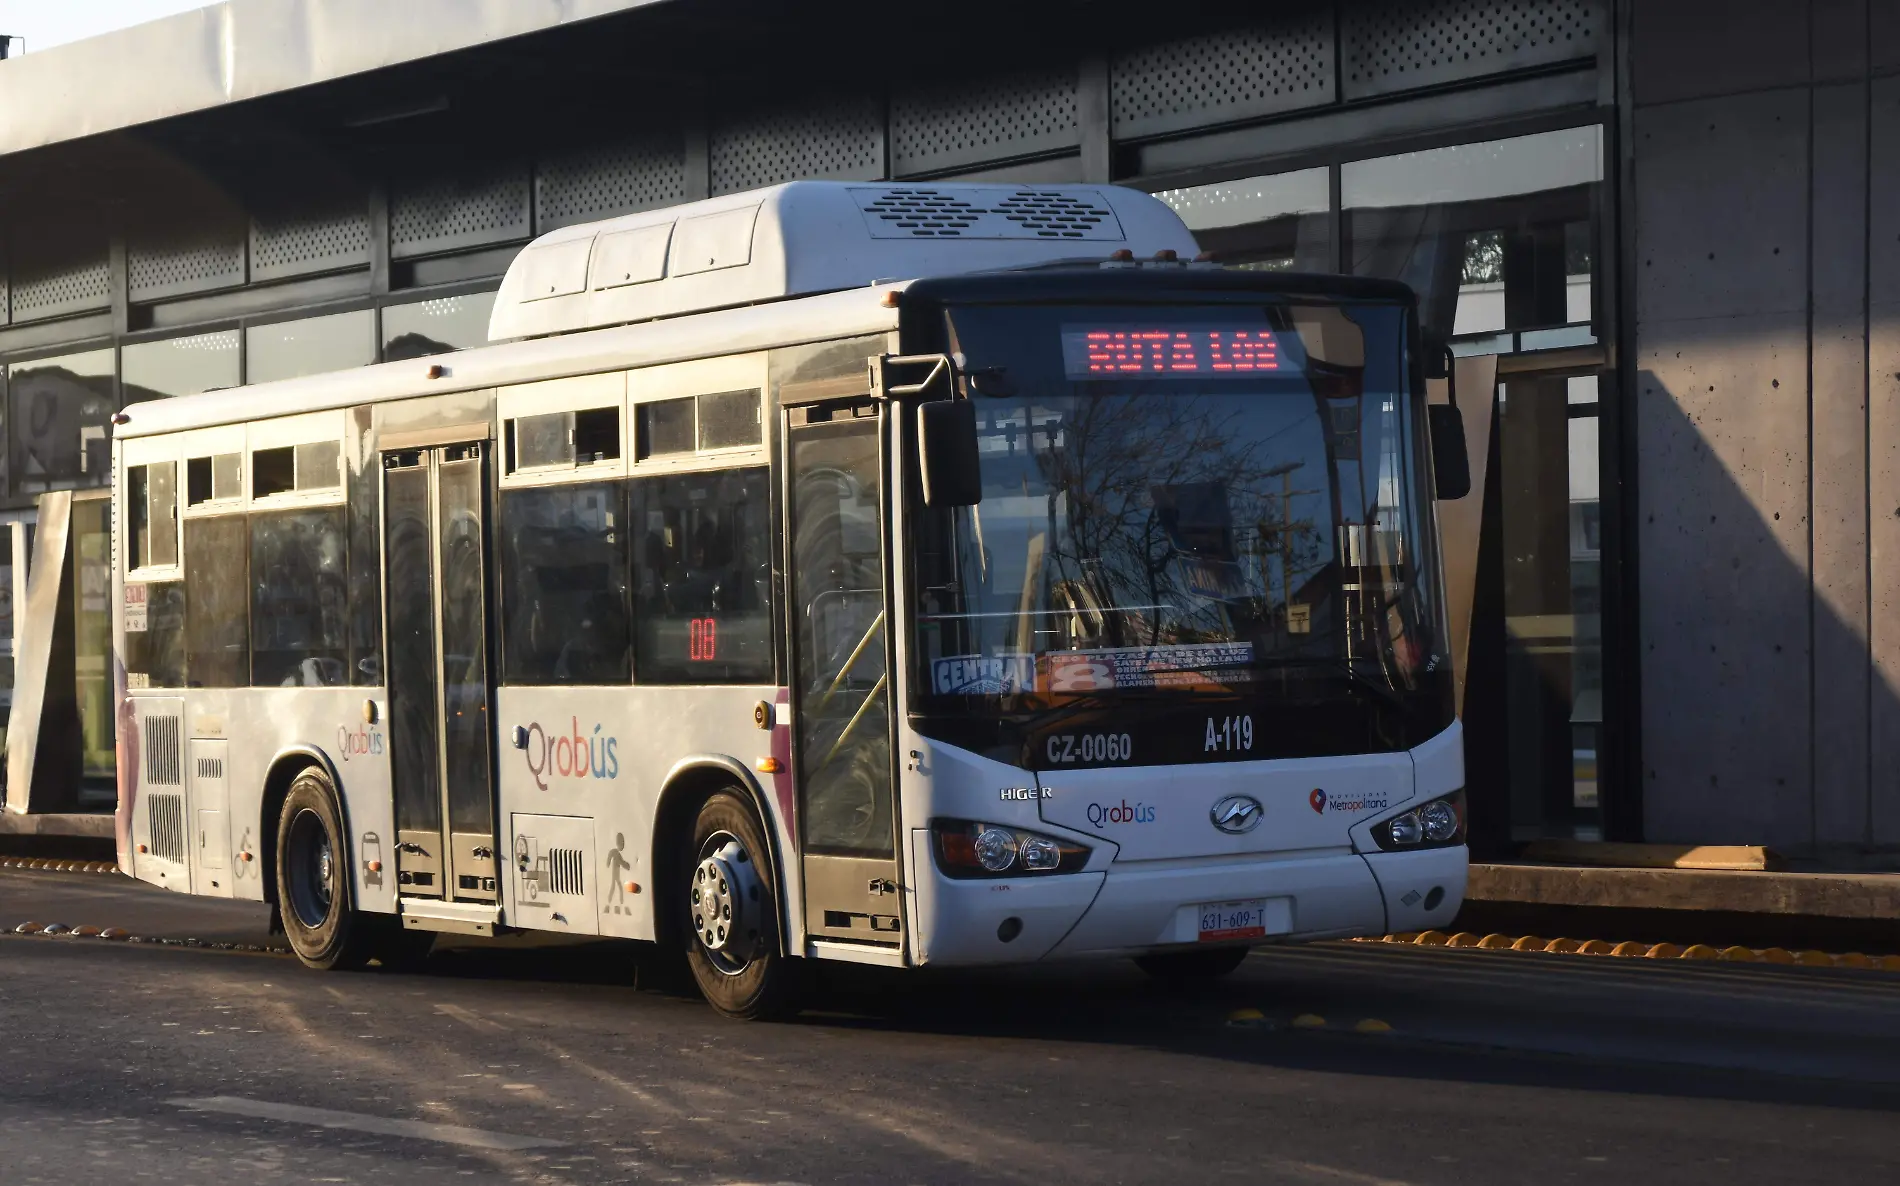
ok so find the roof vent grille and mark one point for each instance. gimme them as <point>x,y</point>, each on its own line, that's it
<point>953,212</point>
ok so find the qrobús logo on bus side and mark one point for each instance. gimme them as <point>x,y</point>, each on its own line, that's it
<point>573,754</point>
<point>360,742</point>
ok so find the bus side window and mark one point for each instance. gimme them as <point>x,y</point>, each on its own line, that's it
<point>154,631</point>
<point>297,598</point>
<point>364,481</point>
<point>218,618</point>
<point>703,577</point>
<point>564,585</point>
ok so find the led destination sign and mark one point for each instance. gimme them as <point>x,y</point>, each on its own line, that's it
<point>1149,351</point>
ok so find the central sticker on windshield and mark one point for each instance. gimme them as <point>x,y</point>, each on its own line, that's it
<point>983,675</point>
<point>1206,665</point>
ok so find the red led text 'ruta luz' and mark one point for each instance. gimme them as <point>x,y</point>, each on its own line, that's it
<point>1118,352</point>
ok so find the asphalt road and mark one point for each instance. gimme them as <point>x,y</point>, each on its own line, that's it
<point>152,1063</point>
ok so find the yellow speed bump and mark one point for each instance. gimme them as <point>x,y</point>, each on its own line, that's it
<point>1371,1025</point>
<point>1309,1021</point>
<point>1635,949</point>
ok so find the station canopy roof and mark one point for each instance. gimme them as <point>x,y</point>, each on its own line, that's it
<point>247,49</point>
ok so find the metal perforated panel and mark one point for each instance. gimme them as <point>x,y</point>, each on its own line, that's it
<point>1222,77</point>
<point>301,245</point>
<point>453,214</point>
<point>602,183</point>
<point>981,120</point>
<point>57,289</point>
<point>835,140</point>
<point>197,264</point>
<point>6,303</point>
<point>1397,45</point>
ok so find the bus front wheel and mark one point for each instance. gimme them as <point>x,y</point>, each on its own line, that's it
<point>313,879</point>
<point>731,915</point>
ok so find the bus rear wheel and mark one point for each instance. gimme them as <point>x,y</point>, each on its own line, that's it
<point>313,881</point>
<point>1192,967</point>
<point>731,915</point>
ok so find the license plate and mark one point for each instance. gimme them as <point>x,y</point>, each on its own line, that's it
<point>1233,920</point>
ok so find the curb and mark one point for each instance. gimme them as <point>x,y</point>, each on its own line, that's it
<point>59,930</point>
<point>1655,951</point>
<point>53,865</point>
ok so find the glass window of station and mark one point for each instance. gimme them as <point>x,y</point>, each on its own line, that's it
<point>1498,239</point>
<point>59,413</point>
<point>438,325</point>
<point>180,366</point>
<point>309,346</point>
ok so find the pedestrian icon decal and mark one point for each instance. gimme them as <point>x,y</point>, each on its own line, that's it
<point>617,864</point>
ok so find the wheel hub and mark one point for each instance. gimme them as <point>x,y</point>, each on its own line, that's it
<point>724,899</point>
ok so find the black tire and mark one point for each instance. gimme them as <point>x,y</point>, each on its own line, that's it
<point>313,881</point>
<point>1201,966</point>
<point>730,920</point>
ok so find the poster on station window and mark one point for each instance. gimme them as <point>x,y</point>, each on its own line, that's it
<point>135,614</point>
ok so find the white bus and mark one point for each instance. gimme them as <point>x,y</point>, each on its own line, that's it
<point>913,575</point>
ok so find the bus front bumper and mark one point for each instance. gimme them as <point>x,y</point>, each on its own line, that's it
<point>1138,907</point>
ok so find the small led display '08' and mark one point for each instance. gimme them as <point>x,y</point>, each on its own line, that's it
<point>1157,352</point>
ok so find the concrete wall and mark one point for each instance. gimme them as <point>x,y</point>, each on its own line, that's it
<point>1766,160</point>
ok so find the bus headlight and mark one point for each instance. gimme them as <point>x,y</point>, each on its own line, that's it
<point>1437,824</point>
<point>995,849</point>
<point>1405,829</point>
<point>1040,854</point>
<point>967,848</point>
<point>1440,821</point>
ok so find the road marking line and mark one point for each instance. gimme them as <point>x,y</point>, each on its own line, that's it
<point>449,1134</point>
<point>470,1018</point>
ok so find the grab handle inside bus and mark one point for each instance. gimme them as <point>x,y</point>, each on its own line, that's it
<point>1451,464</point>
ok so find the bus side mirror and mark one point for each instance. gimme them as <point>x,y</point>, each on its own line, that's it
<point>1451,466</point>
<point>946,453</point>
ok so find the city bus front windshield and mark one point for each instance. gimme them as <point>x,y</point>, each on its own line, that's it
<point>1185,509</point>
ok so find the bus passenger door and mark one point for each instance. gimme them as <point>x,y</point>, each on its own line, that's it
<point>841,695</point>
<point>436,566</point>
